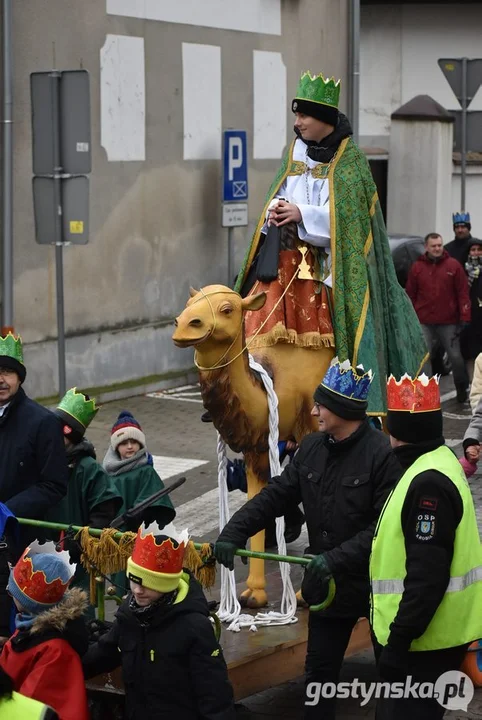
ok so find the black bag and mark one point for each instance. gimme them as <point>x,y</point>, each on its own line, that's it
<point>267,268</point>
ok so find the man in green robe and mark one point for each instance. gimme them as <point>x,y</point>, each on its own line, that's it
<point>324,191</point>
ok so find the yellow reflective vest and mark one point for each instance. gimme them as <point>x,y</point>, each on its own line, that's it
<point>458,619</point>
<point>20,707</point>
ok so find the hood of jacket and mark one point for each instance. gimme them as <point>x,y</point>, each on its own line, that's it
<point>65,621</point>
<point>190,599</point>
<point>434,261</point>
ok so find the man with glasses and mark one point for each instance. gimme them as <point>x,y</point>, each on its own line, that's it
<point>342,476</point>
<point>33,464</point>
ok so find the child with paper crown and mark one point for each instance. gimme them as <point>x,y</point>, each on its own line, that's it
<point>92,498</point>
<point>43,655</point>
<point>130,465</point>
<point>172,664</point>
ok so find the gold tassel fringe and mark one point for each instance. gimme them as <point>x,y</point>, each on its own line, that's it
<point>105,555</point>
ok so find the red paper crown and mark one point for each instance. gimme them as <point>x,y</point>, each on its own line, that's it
<point>165,557</point>
<point>35,583</point>
<point>415,396</point>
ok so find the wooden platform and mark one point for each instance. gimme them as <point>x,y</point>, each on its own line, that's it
<point>274,655</point>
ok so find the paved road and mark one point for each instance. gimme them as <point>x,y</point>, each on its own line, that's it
<point>182,445</point>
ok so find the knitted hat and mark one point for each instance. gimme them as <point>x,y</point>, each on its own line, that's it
<point>11,355</point>
<point>40,578</point>
<point>126,427</point>
<point>414,412</point>
<point>344,390</point>
<point>317,98</point>
<point>76,411</point>
<point>474,241</point>
<point>157,557</point>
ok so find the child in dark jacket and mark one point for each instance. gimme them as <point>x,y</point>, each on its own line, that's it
<point>172,664</point>
<point>43,655</point>
<point>129,464</point>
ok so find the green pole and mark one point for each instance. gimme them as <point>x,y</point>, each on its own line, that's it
<point>96,532</point>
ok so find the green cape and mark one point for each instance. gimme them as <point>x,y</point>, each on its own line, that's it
<point>374,321</point>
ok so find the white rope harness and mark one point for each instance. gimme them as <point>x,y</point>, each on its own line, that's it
<point>229,608</point>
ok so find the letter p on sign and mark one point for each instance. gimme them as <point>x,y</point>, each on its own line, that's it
<point>235,166</point>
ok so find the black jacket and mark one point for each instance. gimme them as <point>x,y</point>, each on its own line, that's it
<point>173,667</point>
<point>33,465</point>
<point>459,249</point>
<point>429,555</point>
<point>343,486</point>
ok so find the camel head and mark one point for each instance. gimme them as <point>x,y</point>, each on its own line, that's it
<point>213,318</point>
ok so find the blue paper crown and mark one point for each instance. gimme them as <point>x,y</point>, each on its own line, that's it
<point>460,217</point>
<point>343,379</point>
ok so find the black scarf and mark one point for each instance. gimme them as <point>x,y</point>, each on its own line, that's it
<point>324,151</point>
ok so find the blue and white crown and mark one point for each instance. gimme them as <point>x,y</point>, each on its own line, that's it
<point>343,379</point>
<point>460,217</point>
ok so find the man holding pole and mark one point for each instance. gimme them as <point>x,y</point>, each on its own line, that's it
<point>342,475</point>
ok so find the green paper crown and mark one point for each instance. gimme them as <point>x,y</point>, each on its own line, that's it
<point>74,403</point>
<point>315,88</point>
<point>11,346</point>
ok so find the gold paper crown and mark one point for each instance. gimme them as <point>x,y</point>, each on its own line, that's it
<point>314,88</point>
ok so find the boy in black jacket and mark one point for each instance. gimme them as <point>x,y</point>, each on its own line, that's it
<point>172,664</point>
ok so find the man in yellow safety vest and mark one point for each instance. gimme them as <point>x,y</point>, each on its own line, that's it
<point>426,560</point>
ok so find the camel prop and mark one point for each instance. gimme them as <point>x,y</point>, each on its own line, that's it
<point>213,323</point>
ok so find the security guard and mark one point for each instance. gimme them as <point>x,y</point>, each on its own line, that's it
<point>426,561</point>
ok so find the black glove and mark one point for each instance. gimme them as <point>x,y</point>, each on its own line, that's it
<point>393,666</point>
<point>224,554</point>
<point>315,585</point>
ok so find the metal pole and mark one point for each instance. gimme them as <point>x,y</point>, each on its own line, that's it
<point>463,158</point>
<point>230,257</point>
<point>59,264</point>
<point>7,204</point>
<point>355,67</point>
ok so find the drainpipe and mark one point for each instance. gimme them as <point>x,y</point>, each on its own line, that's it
<point>354,62</point>
<point>7,170</point>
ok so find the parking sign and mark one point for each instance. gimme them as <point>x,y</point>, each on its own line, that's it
<point>235,163</point>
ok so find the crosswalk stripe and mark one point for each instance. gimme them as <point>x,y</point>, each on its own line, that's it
<point>201,514</point>
<point>167,467</point>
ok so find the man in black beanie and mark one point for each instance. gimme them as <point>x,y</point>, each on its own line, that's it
<point>426,560</point>
<point>342,475</point>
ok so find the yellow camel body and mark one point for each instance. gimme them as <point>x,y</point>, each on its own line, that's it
<point>213,323</point>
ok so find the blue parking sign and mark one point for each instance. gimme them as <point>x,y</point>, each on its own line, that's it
<point>235,163</point>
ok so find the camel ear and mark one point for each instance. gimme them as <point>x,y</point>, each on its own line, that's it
<point>192,292</point>
<point>254,302</point>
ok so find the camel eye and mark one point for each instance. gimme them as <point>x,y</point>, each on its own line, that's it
<point>226,309</point>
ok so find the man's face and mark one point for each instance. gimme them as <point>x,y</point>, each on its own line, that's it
<point>310,128</point>
<point>9,385</point>
<point>144,596</point>
<point>328,422</point>
<point>461,231</point>
<point>475,251</point>
<point>434,247</point>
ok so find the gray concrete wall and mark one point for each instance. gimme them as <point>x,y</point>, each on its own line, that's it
<point>155,223</point>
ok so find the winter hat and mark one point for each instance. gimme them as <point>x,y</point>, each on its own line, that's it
<point>76,411</point>
<point>157,557</point>
<point>344,390</point>
<point>11,355</point>
<point>40,578</point>
<point>414,411</point>
<point>317,98</point>
<point>126,427</point>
